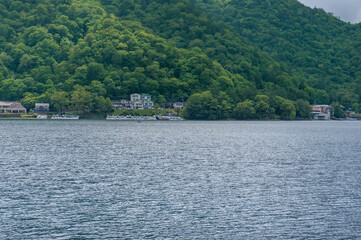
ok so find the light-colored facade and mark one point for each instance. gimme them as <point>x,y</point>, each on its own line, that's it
<point>11,107</point>
<point>148,104</point>
<point>137,101</point>
<point>42,107</point>
<point>321,112</point>
<point>122,104</point>
<point>146,96</point>
<point>135,97</point>
<point>178,105</point>
<point>147,101</point>
<point>137,105</point>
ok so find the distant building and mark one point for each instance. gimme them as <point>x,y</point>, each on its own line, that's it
<point>147,101</point>
<point>148,104</point>
<point>122,104</point>
<point>321,112</point>
<point>137,105</point>
<point>178,105</point>
<point>11,107</point>
<point>146,96</point>
<point>42,107</point>
<point>135,97</point>
<point>137,101</point>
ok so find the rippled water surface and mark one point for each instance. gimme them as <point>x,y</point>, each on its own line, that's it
<point>180,180</point>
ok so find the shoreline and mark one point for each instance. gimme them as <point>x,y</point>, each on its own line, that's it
<point>198,120</point>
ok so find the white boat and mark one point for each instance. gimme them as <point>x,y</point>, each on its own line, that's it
<point>42,117</point>
<point>131,118</point>
<point>65,117</point>
<point>169,118</point>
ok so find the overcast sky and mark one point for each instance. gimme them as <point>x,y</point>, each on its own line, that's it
<point>347,10</point>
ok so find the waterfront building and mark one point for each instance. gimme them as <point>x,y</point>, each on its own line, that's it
<point>146,96</point>
<point>178,105</point>
<point>135,97</point>
<point>148,104</point>
<point>11,107</point>
<point>321,112</point>
<point>42,107</point>
<point>137,105</point>
<point>137,101</point>
<point>122,104</point>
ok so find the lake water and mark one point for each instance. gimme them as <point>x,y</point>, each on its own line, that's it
<point>180,180</point>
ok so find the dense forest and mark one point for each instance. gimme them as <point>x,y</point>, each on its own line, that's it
<point>242,59</point>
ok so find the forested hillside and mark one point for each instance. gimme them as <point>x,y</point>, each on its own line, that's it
<point>317,47</point>
<point>229,58</point>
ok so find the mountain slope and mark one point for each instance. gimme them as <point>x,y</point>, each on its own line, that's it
<point>311,43</point>
<point>82,52</point>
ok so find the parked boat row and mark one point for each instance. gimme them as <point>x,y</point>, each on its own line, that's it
<point>143,118</point>
<point>116,118</point>
<point>131,118</point>
<point>169,118</point>
<point>65,117</point>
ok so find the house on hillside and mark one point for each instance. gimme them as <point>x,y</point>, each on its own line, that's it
<point>321,112</point>
<point>135,97</point>
<point>42,107</point>
<point>147,101</point>
<point>137,101</point>
<point>122,104</point>
<point>178,105</point>
<point>148,104</point>
<point>11,107</point>
<point>137,105</point>
<point>146,96</point>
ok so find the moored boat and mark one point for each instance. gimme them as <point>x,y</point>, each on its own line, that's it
<point>169,118</point>
<point>130,118</point>
<point>65,117</point>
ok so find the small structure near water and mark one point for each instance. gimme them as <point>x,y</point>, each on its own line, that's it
<point>321,112</point>
<point>42,107</point>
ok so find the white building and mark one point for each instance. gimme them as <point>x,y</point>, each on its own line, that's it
<point>42,107</point>
<point>137,101</point>
<point>321,112</point>
<point>178,105</point>
<point>146,97</point>
<point>122,104</point>
<point>135,97</point>
<point>137,105</point>
<point>148,104</point>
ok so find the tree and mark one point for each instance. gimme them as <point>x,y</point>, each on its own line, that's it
<point>262,106</point>
<point>60,101</point>
<point>11,89</point>
<point>98,88</point>
<point>288,110</point>
<point>201,106</point>
<point>337,111</point>
<point>81,100</point>
<point>244,110</point>
<point>102,105</point>
<point>303,109</point>
<point>29,100</point>
<point>94,71</point>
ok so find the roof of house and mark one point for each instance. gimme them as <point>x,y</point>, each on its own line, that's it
<point>13,105</point>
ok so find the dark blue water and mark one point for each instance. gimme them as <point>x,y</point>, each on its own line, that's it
<point>180,180</point>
